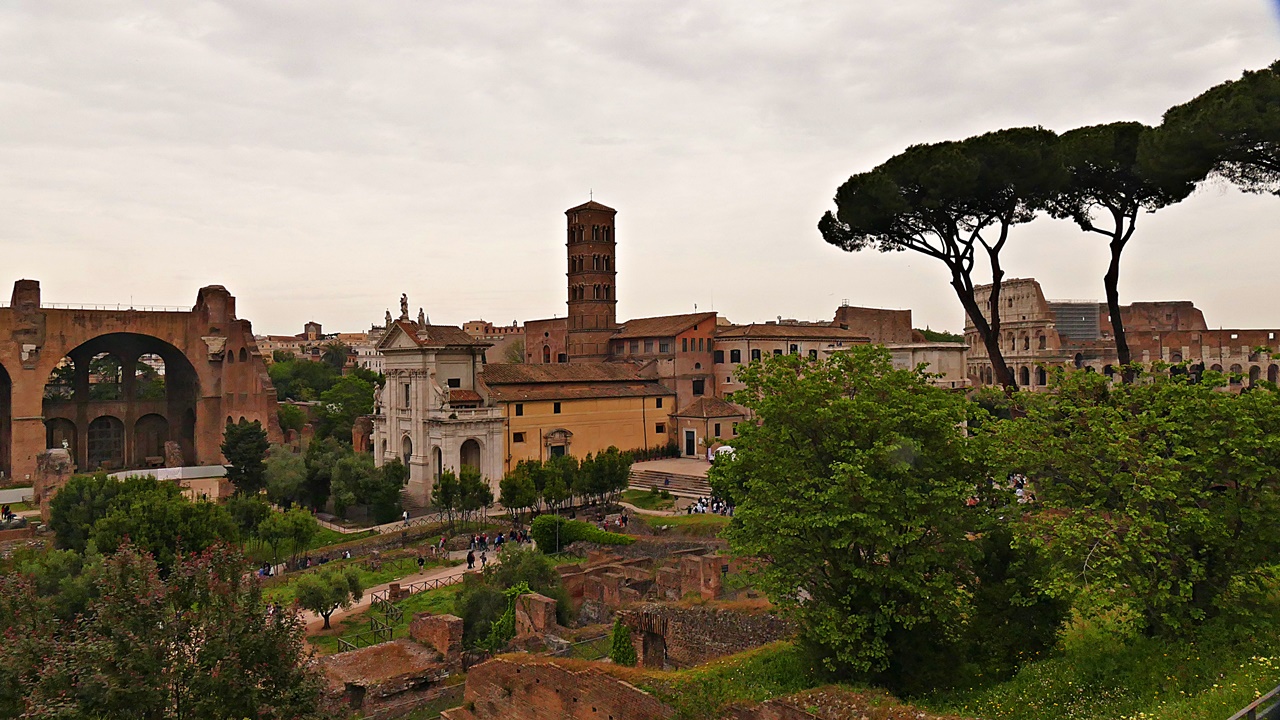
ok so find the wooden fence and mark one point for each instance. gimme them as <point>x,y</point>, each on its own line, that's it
<point>1266,707</point>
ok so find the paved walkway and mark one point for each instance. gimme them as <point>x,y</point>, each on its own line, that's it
<point>315,623</point>
<point>9,496</point>
<point>697,467</point>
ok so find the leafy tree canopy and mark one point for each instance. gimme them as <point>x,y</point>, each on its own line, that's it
<point>245,445</point>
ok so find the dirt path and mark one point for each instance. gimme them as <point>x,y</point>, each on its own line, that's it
<point>315,623</point>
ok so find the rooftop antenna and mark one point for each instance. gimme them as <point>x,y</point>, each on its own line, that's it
<point>591,194</point>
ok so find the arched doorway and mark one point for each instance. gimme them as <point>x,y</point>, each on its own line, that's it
<point>150,433</point>
<point>1079,361</point>
<point>1273,373</point>
<point>1255,374</point>
<point>61,432</point>
<point>6,424</point>
<point>546,355</point>
<point>1024,376</point>
<point>469,454</point>
<point>140,381</point>
<point>106,443</point>
<point>437,463</point>
<point>1041,379</point>
<point>1236,370</point>
<point>406,450</point>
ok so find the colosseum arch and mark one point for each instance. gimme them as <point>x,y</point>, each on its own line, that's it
<point>110,402</point>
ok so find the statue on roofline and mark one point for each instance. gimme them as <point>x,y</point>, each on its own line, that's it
<point>404,306</point>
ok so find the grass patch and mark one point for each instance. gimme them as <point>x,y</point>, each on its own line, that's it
<point>1145,679</point>
<point>767,672</point>
<point>325,538</point>
<point>649,500</point>
<point>704,525</point>
<point>285,591</point>
<point>19,507</point>
<point>433,601</point>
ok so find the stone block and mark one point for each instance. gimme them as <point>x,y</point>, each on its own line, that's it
<point>442,632</point>
<point>535,615</point>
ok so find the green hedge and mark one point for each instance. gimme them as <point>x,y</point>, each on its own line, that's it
<point>543,531</point>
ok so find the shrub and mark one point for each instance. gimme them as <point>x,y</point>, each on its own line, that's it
<point>544,532</point>
<point>622,651</point>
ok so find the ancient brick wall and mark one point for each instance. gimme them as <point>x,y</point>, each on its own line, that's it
<point>442,632</point>
<point>682,637</point>
<point>511,689</point>
<point>882,326</point>
<point>535,615</point>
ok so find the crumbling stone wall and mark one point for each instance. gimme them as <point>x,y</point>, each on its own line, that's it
<point>535,615</point>
<point>666,635</point>
<point>442,632</point>
<point>538,689</point>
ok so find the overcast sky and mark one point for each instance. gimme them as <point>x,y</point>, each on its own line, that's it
<point>319,158</point>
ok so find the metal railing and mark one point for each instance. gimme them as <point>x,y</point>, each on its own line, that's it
<point>1266,707</point>
<point>115,307</point>
<point>414,588</point>
<point>383,629</point>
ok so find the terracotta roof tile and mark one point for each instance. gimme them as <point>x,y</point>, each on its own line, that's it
<point>431,335</point>
<point>524,373</point>
<point>664,326</point>
<point>458,395</point>
<point>771,330</point>
<point>710,407</point>
<point>591,205</point>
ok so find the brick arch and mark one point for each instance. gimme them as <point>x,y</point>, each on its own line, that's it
<point>34,339</point>
<point>6,423</point>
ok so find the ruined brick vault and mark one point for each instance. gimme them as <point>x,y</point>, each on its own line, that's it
<point>126,388</point>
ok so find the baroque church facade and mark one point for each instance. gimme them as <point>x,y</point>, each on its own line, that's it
<point>434,414</point>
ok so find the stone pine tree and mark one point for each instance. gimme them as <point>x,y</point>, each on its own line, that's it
<point>324,592</point>
<point>1107,189</point>
<point>244,445</point>
<point>953,201</point>
<point>1230,131</point>
<point>621,650</point>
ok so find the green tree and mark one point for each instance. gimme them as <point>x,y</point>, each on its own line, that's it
<point>286,475</point>
<point>1231,131</point>
<point>1160,495</point>
<point>950,201</point>
<point>302,528</point>
<point>445,494</point>
<point>247,513</point>
<point>335,355</point>
<point>559,475</point>
<point>301,379</point>
<point>382,493</point>
<point>198,644</point>
<point>516,489</point>
<point>273,530</point>
<point>291,417</point>
<point>324,592</point>
<point>1106,191</point>
<point>321,457</point>
<point>282,356</point>
<point>513,353</point>
<point>352,475</point>
<point>244,445</point>
<point>474,493</point>
<point>78,505</point>
<point>621,650</point>
<point>852,491</point>
<point>340,405</point>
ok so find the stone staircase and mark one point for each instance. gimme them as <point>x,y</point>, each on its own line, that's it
<point>682,485</point>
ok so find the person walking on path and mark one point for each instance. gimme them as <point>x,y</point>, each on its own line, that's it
<point>484,559</point>
<point>471,559</point>
<point>405,516</point>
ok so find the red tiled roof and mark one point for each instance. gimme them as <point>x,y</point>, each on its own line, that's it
<point>591,205</point>
<point>710,407</point>
<point>578,391</point>
<point>775,331</point>
<point>526,373</point>
<point>458,395</point>
<point>664,326</point>
<point>430,335</point>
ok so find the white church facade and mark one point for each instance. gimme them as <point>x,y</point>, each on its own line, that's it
<point>433,414</point>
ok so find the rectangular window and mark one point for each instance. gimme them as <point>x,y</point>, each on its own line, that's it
<point>517,437</point>
<point>455,382</point>
<point>813,354</point>
<point>664,346</point>
<point>635,346</point>
<point>733,429</point>
<point>617,348</point>
<point>556,408</point>
<point>698,386</point>
<point>557,451</point>
<point>406,396</point>
<point>659,405</point>
<point>795,349</point>
<point>735,356</point>
<point>717,429</point>
<point>719,356</point>
<point>648,346</point>
<point>519,409</point>
<point>755,355</point>
<point>699,344</point>
<point>660,429</point>
<point>777,351</point>
<point>684,344</point>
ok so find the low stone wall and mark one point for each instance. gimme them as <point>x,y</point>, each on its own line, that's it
<point>667,636</point>
<point>528,689</point>
<point>440,632</point>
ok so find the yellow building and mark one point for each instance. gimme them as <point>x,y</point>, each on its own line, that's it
<point>578,409</point>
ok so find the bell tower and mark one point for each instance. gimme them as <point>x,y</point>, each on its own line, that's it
<point>593,294</point>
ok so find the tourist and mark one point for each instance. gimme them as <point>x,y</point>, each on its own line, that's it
<point>471,559</point>
<point>484,559</point>
<point>422,563</point>
<point>405,516</point>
